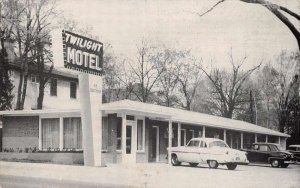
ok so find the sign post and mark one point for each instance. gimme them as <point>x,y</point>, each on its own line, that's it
<point>84,55</point>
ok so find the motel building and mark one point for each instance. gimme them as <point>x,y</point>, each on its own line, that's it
<point>75,128</point>
<point>132,132</point>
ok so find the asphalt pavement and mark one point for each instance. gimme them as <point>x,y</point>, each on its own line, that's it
<point>13,174</point>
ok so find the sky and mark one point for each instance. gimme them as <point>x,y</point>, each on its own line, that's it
<point>247,29</point>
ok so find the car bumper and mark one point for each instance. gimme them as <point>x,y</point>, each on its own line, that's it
<point>289,162</point>
<point>239,162</point>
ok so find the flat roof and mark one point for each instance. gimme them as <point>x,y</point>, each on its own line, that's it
<point>189,117</point>
<point>162,113</point>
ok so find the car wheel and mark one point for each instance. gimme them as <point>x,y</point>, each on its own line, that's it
<point>193,164</point>
<point>274,163</point>
<point>174,160</point>
<point>284,165</point>
<point>231,166</point>
<point>213,164</point>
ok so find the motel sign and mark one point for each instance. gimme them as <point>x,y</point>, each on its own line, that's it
<point>82,54</point>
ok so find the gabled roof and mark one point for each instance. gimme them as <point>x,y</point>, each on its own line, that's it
<point>162,113</point>
<point>188,117</point>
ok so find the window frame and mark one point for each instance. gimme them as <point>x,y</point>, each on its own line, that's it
<point>52,95</point>
<point>41,134</point>
<point>63,139</point>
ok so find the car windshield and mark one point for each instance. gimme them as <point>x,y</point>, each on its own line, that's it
<point>276,147</point>
<point>280,148</point>
<point>218,143</point>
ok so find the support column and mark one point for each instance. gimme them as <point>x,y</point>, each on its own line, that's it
<point>170,141</point>
<point>203,131</point>
<point>61,133</point>
<point>278,139</point>
<point>179,135</point>
<point>123,142</point>
<point>242,140</point>
<point>255,137</point>
<point>224,135</point>
<point>267,139</point>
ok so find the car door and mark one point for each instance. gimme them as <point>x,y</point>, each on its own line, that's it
<point>262,154</point>
<point>252,154</point>
<point>203,152</point>
<point>192,154</point>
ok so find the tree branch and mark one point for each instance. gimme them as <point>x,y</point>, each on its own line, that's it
<point>209,10</point>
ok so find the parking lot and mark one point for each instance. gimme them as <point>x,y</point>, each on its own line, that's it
<point>146,175</point>
<point>244,176</point>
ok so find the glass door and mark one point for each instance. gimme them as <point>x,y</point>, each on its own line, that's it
<point>130,140</point>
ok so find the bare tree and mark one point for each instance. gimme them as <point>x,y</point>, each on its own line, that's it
<point>145,71</point>
<point>275,9</point>
<point>30,29</point>
<point>228,88</point>
<point>44,10</point>
<point>189,77</point>
<point>6,85</point>
<point>168,82</point>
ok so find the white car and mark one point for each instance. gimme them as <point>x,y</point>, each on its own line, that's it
<point>208,150</point>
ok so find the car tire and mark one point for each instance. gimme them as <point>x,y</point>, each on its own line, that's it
<point>213,164</point>
<point>174,160</point>
<point>231,166</point>
<point>274,163</point>
<point>193,164</point>
<point>284,165</point>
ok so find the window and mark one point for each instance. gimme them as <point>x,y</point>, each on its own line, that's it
<point>263,148</point>
<point>53,87</point>
<point>128,117</point>
<point>50,133</point>
<point>34,78</point>
<point>104,133</point>
<point>255,147</point>
<point>72,133</point>
<point>193,133</point>
<point>183,137</point>
<point>119,135</point>
<point>203,144</point>
<point>194,143</point>
<point>73,88</point>
<point>292,148</point>
<point>217,143</point>
<point>140,135</point>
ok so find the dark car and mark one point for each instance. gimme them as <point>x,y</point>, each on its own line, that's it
<point>295,149</point>
<point>269,153</point>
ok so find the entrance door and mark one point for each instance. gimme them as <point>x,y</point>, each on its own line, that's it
<point>130,153</point>
<point>154,144</point>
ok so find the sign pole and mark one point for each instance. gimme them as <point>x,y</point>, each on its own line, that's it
<point>90,93</point>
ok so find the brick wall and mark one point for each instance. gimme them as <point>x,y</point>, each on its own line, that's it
<point>20,132</point>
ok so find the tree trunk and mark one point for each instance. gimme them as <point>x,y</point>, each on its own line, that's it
<point>41,96</point>
<point>19,95</point>
<point>24,89</point>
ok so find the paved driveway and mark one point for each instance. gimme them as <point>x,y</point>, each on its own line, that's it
<point>146,175</point>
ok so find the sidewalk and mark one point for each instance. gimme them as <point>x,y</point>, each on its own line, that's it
<point>116,175</point>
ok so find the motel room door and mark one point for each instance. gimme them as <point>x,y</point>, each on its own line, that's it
<point>131,142</point>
